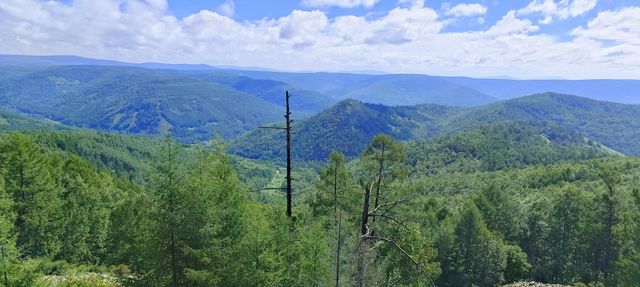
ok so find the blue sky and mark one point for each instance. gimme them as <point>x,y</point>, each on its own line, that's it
<point>575,39</point>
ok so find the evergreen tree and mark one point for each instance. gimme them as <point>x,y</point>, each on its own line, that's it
<point>168,188</point>
<point>498,211</point>
<point>534,240</point>
<point>335,198</point>
<point>480,255</point>
<point>215,223</point>
<point>567,240</point>
<point>35,193</point>
<point>384,161</point>
<point>8,250</point>
<point>605,248</point>
<point>86,203</point>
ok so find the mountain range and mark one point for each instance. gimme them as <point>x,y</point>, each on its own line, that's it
<point>350,125</point>
<point>196,102</point>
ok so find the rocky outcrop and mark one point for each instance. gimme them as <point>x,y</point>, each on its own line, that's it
<point>533,284</point>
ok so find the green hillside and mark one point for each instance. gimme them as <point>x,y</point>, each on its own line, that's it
<point>501,185</point>
<point>303,101</point>
<point>135,100</point>
<point>349,125</point>
<point>502,146</point>
<point>612,124</point>
<point>10,121</point>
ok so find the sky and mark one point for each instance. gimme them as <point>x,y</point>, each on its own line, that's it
<point>525,39</point>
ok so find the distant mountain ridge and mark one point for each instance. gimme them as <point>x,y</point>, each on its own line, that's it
<point>620,91</point>
<point>404,90</point>
<point>350,124</point>
<point>387,89</point>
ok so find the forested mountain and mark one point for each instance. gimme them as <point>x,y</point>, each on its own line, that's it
<point>453,215</point>
<point>305,102</point>
<point>46,61</point>
<point>614,125</point>
<point>404,90</point>
<point>349,125</point>
<point>135,100</point>
<point>473,192</point>
<point>620,91</point>
<point>10,121</point>
<point>318,88</point>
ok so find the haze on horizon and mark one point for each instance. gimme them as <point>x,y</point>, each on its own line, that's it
<point>572,39</point>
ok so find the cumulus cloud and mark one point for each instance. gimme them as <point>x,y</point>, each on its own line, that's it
<point>340,3</point>
<point>466,10</point>
<point>510,24</point>
<point>407,39</point>
<point>228,8</point>
<point>621,27</point>
<point>562,9</point>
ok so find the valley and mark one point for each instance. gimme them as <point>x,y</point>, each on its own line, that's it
<point>119,174</point>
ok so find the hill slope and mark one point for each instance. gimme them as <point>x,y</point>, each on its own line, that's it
<point>136,100</point>
<point>10,121</point>
<point>350,125</point>
<point>303,101</point>
<point>399,90</point>
<point>615,125</point>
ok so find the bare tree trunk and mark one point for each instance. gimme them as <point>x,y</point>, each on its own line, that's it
<point>364,231</point>
<point>379,179</point>
<point>360,277</point>
<point>288,130</point>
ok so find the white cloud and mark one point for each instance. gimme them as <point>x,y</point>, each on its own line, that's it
<point>340,3</point>
<point>228,8</point>
<point>407,39</point>
<point>621,27</point>
<point>466,10</point>
<point>510,24</point>
<point>561,9</point>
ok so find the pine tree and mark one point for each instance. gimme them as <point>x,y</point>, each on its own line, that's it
<point>605,244</point>
<point>215,222</point>
<point>384,161</point>
<point>335,199</point>
<point>8,250</point>
<point>567,240</point>
<point>480,255</point>
<point>498,211</point>
<point>35,193</point>
<point>168,188</point>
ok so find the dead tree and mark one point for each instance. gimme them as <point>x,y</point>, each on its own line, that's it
<point>287,130</point>
<point>338,219</point>
<point>369,238</point>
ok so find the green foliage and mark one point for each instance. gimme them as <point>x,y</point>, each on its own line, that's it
<point>517,265</point>
<point>501,146</point>
<point>75,206</point>
<point>136,100</point>
<point>480,256</point>
<point>10,121</point>
<point>568,237</point>
<point>538,129</point>
<point>498,211</point>
<point>347,127</point>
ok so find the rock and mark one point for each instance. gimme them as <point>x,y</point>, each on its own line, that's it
<point>533,284</point>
